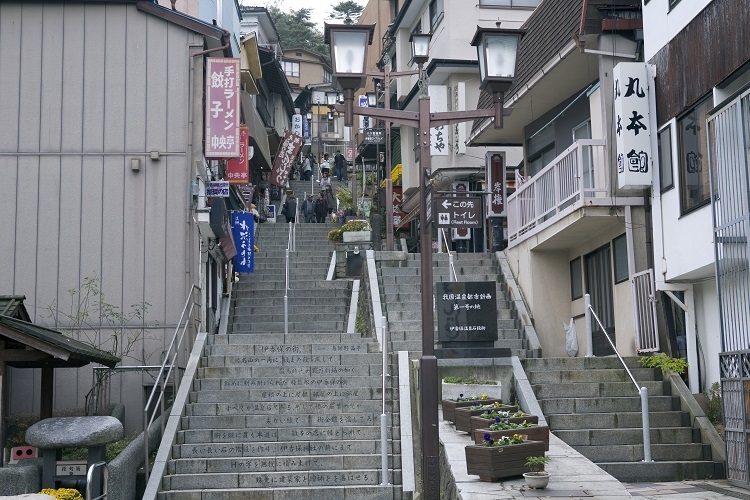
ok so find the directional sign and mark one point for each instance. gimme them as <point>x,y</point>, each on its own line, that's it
<point>217,189</point>
<point>459,212</point>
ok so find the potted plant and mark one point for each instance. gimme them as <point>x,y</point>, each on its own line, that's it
<point>503,457</point>
<point>537,478</point>
<point>502,427</point>
<point>483,420</point>
<point>449,405</point>
<point>356,230</point>
<point>455,387</point>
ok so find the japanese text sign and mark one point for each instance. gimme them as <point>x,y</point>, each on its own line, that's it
<point>217,189</point>
<point>495,184</point>
<point>459,212</point>
<point>238,171</point>
<point>438,135</point>
<point>285,158</point>
<point>243,229</point>
<point>466,311</point>
<point>632,125</point>
<point>222,108</point>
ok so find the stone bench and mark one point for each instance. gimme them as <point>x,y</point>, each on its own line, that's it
<point>53,434</point>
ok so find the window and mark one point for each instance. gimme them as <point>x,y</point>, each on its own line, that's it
<point>508,3</point>
<point>666,181</point>
<point>576,279</point>
<point>436,13</point>
<point>291,68</point>
<point>620,256</point>
<point>541,160</point>
<point>328,124</point>
<point>326,76</point>
<point>693,162</point>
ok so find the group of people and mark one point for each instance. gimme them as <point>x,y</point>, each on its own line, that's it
<point>313,210</point>
<point>339,167</point>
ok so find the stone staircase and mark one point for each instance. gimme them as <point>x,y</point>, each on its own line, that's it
<point>591,404</point>
<point>400,290</point>
<point>288,416</point>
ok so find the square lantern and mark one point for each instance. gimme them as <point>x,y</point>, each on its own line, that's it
<point>420,47</point>
<point>497,50</point>
<point>348,44</point>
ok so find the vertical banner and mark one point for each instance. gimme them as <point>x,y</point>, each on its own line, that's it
<point>398,215</point>
<point>306,130</point>
<point>461,233</point>
<point>495,164</point>
<point>632,124</point>
<point>222,108</point>
<point>438,135</point>
<point>285,158</point>
<point>238,170</point>
<point>243,232</point>
<point>297,124</point>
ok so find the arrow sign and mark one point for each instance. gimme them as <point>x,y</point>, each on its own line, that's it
<point>446,204</point>
<point>461,212</point>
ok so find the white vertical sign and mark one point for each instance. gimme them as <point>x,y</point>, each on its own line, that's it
<point>364,121</point>
<point>461,131</point>
<point>438,135</point>
<point>632,125</point>
<point>297,124</point>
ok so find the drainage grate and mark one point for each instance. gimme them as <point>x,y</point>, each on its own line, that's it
<point>724,491</point>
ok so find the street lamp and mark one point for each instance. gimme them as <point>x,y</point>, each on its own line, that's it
<point>497,49</point>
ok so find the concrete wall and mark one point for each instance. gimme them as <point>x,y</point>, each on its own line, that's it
<point>660,24</point>
<point>709,332</point>
<point>99,85</point>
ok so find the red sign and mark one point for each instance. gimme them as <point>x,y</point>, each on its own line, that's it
<point>460,233</point>
<point>237,168</point>
<point>496,184</point>
<point>350,153</point>
<point>285,158</point>
<point>222,108</point>
<point>398,215</point>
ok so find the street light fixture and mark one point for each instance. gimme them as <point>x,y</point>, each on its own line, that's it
<point>497,49</point>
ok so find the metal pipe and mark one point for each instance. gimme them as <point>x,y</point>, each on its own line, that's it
<point>646,425</point>
<point>589,331</point>
<point>383,418</point>
<point>90,480</point>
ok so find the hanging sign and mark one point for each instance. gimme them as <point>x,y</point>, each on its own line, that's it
<point>238,171</point>
<point>285,158</point>
<point>495,165</point>
<point>632,125</point>
<point>243,229</point>
<point>222,108</point>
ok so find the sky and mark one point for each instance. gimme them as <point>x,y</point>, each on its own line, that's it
<point>320,8</point>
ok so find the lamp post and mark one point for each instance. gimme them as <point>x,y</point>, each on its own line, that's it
<point>496,49</point>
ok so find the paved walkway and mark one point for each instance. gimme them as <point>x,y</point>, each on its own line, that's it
<point>572,476</point>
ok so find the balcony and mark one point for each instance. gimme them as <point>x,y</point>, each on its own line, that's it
<point>550,206</point>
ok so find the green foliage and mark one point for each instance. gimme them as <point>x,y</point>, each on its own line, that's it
<point>347,10</point>
<point>665,363</point>
<point>296,30</point>
<point>468,381</point>
<point>336,235</point>
<point>356,225</point>
<point>503,441</point>
<point>63,493</point>
<point>112,450</point>
<point>344,194</point>
<point>714,410</point>
<point>536,464</point>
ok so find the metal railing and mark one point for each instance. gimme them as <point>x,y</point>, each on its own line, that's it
<point>642,391</point>
<point>451,265</point>
<point>290,247</point>
<point>383,417</point>
<point>644,312</point>
<point>92,482</point>
<point>168,369</point>
<point>574,175</point>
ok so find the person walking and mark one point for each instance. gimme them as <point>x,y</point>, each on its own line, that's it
<point>339,166</point>
<point>321,207</point>
<point>307,167</point>
<point>308,209</point>
<point>330,199</point>
<point>325,165</point>
<point>325,181</point>
<point>289,209</point>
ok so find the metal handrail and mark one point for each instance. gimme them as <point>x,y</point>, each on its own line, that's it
<point>289,244</point>
<point>642,391</point>
<point>90,478</point>
<point>383,418</point>
<point>166,370</point>
<point>450,256</point>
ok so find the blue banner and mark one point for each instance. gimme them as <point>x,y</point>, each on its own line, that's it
<point>306,129</point>
<point>243,231</point>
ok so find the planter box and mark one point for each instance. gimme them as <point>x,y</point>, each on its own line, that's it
<point>476,422</point>
<point>536,433</point>
<point>450,405</point>
<point>353,236</point>
<point>463,416</point>
<point>491,463</point>
<point>454,391</point>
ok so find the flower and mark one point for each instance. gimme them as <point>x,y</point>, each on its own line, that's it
<point>503,441</point>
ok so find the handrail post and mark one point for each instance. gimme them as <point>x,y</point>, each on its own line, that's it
<point>91,481</point>
<point>646,425</point>
<point>383,422</point>
<point>589,331</point>
<point>286,294</point>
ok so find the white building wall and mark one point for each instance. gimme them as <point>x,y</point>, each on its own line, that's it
<point>708,329</point>
<point>660,25</point>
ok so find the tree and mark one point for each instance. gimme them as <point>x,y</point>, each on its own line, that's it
<point>348,10</point>
<point>296,30</point>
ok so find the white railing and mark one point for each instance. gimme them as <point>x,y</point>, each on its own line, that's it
<point>644,312</point>
<point>562,186</point>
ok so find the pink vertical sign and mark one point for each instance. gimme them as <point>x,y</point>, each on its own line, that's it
<point>222,108</point>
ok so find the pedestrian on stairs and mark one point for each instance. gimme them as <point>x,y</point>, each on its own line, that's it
<point>290,209</point>
<point>308,209</point>
<point>321,207</point>
<point>330,199</point>
<point>339,166</point>
<point>307,167</point>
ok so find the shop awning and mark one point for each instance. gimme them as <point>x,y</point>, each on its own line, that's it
<point>395,176</point>
<point>258,135</point>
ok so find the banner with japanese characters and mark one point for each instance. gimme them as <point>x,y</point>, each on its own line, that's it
<point>285,158</point>
<point>495,164</point>
<point>466,311</point>
<point>243,232</point>
<point>632,125</point>
<point>438,135</point>
<point>238,169</point>
<point>222,108</point>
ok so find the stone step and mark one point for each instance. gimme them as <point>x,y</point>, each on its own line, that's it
<point>596,389</point>
<point>624,419</point>
<point>598,362</point>
<point>289,395</point>
<point>216,465</point>
<point>362,370</point>
<point>627,436</point>
<point>299,479</point>
<point>665,471</point>
<point>347,382</point>
<point>634,453</point>
<point>325,312</point>
<point>590,375</point>
<point>255,295</point>
<point>299,420</point>
<point>296,305</point>
<point>276,360</point>
<point>387,492</point>
<point>607,404</point>
<point>323,408</point>
<point>295,326</point>
<point>288,434</point>
<point>292,338</point>
<point>299,282</point>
